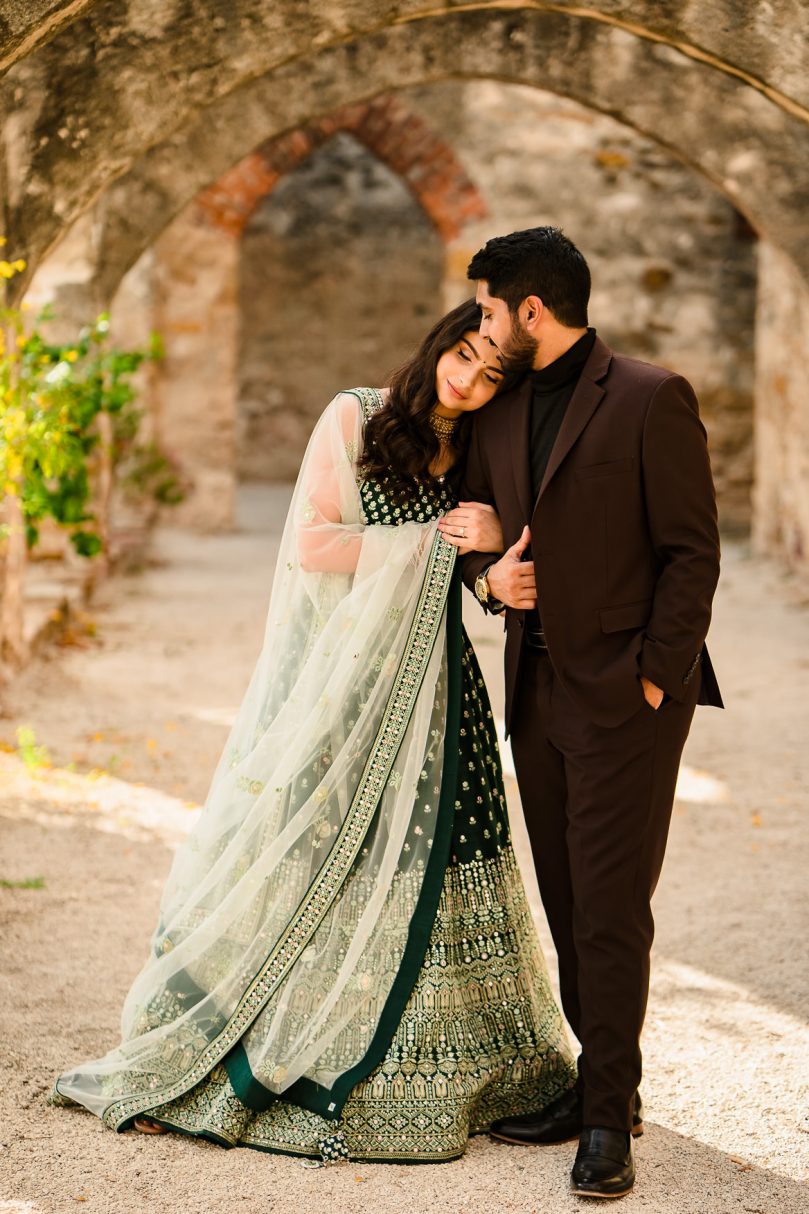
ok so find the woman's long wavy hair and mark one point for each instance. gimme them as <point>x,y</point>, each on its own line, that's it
<point>399,442</point>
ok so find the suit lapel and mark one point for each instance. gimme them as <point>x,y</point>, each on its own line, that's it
<point>585,400</point>
<point>520,434</point>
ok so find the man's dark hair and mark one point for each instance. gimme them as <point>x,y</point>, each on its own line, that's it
<point>538,261</point>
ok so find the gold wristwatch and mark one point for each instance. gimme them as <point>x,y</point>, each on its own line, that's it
<point>483,592</point>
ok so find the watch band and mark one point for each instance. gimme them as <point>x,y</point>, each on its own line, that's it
<point>490,603</point>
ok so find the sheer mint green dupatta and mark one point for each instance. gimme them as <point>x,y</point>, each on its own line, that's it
<point>297,913</point>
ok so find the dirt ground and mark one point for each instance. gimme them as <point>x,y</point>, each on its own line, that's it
<point>133,719</point>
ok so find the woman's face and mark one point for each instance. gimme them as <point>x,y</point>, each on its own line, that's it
<point>467,375</point>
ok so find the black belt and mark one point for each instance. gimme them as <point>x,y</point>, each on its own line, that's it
<point>535,639</point>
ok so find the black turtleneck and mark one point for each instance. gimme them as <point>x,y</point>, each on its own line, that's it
<point>552,388</point>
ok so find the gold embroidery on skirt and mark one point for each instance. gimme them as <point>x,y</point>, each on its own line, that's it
<point>480,1037</point>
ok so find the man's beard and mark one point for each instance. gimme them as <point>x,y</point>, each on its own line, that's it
<point>519,349</point>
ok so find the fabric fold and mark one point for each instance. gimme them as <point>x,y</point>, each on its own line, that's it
<point>285,920</point>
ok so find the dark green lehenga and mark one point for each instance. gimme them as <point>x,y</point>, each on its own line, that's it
<point>466,1029</point>
<point>477,1033</point>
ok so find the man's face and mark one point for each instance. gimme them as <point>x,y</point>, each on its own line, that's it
<point>505,331</point>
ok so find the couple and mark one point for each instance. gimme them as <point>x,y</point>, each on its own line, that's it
<point>345,965</point>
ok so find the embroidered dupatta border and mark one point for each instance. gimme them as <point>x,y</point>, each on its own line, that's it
<point>329,880</point>
<point>307,1093</point>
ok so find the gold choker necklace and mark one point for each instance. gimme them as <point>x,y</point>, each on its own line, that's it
<point>444,427</point>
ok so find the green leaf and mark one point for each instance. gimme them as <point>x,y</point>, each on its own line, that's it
<point>86,543</point>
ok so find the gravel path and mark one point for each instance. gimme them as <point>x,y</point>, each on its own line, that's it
<point>133,719</point>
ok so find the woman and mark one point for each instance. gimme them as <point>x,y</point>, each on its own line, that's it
<point>345,964</point>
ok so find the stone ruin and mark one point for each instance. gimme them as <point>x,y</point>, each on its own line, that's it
<point>290,193</point>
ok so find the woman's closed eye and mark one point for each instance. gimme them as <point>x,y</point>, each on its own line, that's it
<point>491,378</point>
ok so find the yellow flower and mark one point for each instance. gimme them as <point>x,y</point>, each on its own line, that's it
<point>6,269</point>
<point>19,264</point>
<point>71,355</point>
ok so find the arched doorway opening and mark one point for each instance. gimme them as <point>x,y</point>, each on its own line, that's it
<point>734,125</point>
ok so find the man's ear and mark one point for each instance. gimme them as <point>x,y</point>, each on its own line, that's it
<point>531,311</point>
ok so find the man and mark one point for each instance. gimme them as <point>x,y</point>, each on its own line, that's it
<point>598,469</point>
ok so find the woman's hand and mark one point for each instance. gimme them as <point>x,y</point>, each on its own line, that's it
<point>472,527</point>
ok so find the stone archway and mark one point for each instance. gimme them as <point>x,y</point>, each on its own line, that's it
<point>728,100</point>
<point>764,51</point>
<point>729,125</point>
<point>195,304</point>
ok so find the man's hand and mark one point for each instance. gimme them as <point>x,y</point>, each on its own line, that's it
<point>653,694</point>
<point>511,579</point>
<point>473,527</point>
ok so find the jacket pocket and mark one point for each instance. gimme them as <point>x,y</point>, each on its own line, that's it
<point>628,615</point>
<point>612,467</point>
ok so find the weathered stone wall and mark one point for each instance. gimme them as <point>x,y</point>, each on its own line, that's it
<point>340,273</point>
<point>311,280</point>
<point>340,276</point>
<point>763,39</point>
<point>141,105</point>
<point>673,266</point>
<point>673,263</point>
<point>782,416</point>
<point>195,292</point>
<point>169,96</point>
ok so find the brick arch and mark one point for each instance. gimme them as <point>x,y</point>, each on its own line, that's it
<point>389,129</point>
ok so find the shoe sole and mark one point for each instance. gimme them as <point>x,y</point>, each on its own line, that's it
<point>609,1196</point>
<point>636,1132</point>
<point>522,1142</point>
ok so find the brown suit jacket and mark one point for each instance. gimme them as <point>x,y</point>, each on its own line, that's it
<point>624,533</point>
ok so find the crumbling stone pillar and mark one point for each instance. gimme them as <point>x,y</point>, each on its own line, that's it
<point>194,388</point>
<point>781,494</point>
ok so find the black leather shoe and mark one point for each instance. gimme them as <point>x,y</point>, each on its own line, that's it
<point>557,1122</point>
<point>605,1166</point>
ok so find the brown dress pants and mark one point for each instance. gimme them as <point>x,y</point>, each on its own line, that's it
<point>597,805</point>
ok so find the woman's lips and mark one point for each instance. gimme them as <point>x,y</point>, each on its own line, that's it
<point>454,390</point>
